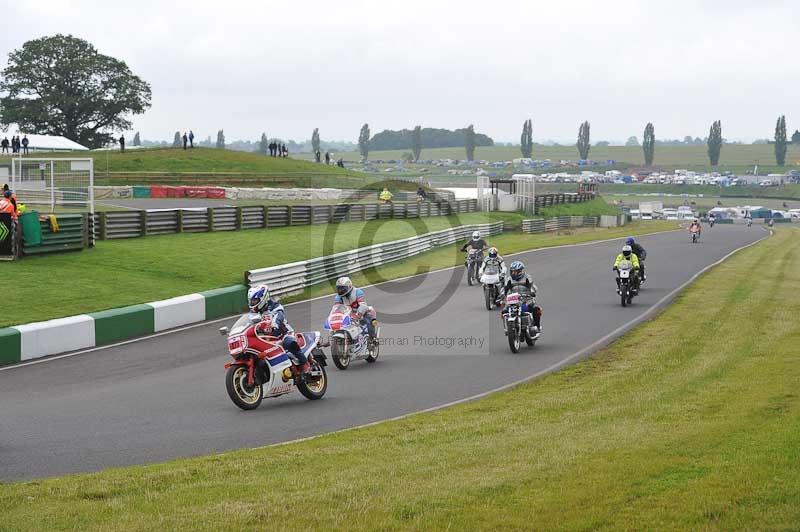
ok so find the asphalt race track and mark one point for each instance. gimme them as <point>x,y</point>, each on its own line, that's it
<point>164,397</point>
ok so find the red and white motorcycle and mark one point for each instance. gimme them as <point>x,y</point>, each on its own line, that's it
<point>261,367</point>
<point>349,337</point>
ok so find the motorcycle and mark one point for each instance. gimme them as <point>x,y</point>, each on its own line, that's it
<point>349,338</point>
<point>473,264</point>
<point>518,325</point>
<point>492,281</point>
<point>749,222</point>
<point>695,236</point>
<point>627,285</point>
<point>711,222</point>
<point>259,361</point>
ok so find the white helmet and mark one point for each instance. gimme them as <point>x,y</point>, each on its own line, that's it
<point>626,250</point>
<point>476,235</point>
<point>257,297</point>
<point>343,286</point>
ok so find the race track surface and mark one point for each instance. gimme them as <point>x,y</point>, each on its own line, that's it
<point>164,397</point>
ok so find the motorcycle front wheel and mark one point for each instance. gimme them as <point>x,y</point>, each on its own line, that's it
<point>339,354</point>
<point>624,291</point>
<point>488,295</point>
<point>470,275</point>
<point>513,338</point>
<point>243,396</point>
<point>314,387</point>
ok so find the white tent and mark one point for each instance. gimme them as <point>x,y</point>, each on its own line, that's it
<point>45,142</point>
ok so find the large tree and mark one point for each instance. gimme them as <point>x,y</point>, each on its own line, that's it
<point>714,142</point>
<point>221,139</point>
<point>780,141</point>
<point>315,140</point>
<point>649,144</point>
<point>584,140</point>
<point>796,136</point>
<point>263,144</point>
<point>526,139</point>
<point>137,140</point>
<point>61,85</point>
<point>177,140</point>
<point>416,143</point>
<point>363,141</point>
<point>469,142</point>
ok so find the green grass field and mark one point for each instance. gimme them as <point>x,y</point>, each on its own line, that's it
<point>689,422</point>
<point>739,156</point>
<point>595,207</point>
<point>212,167</point>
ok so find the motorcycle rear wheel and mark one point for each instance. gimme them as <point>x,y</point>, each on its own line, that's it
<point>242,396</point>
<point>339,354</point>
<point>316,388</point>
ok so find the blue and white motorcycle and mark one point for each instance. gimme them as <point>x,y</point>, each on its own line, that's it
<point>349,338</point>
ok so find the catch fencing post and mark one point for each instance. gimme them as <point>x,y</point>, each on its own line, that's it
<point>265,215</point>
<point>179,220</point>
<point>103,226</point>
<point>210,219</point>
<point>238,218</point>
<point>143,221</point>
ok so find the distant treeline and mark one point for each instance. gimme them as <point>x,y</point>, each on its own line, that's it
<point>431,138</point>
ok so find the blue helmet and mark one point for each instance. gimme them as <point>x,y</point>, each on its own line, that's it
<point>517,270</point>
<point>629,241</point>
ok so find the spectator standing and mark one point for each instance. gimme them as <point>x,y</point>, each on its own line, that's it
<point>25,143</point>
<point>14,144</point>
<point>327,157</point>
<point>285,151</point>
<point>122,143</point>
<point>191,139</point>
<point>5,144</point>
<point>185,140</point>
<point>271,149</point>
<point>317,156</point>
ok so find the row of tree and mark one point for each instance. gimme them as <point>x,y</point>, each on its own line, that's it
<point>714,141</point>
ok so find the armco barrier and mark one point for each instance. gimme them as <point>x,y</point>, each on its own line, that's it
<point>541,225</point>
<point>131,224</point>
<point>294,277</point>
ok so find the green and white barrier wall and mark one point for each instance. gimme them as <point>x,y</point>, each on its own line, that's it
<point>35,340</point>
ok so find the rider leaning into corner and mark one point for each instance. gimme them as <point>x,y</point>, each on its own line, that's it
<point>494,258</point>
<point>628,254</point>
<point>640,253</point>
<point>517,280</point>
<point>476,242</point>
<point>260,302</point>
<point>347,294</point>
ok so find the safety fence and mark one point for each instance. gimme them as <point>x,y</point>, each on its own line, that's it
<point>541,225</point>
<point>294,277</point>
<point>130,224</point>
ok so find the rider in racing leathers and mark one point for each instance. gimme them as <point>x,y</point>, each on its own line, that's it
<point>695,227</point>
<point>640,253</point>
<point>519,279</point>
<point>354,298</point>
<point>260,302</point>
<point>494,258</point>
<point>627,254</point>
<point>476,243</point>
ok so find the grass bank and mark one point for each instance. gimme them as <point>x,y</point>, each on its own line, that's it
<point>595,207</point>
<point>681,424</point>
<point>125,272</point>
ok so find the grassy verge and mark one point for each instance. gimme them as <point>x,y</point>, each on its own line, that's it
<point>595,207</point>
<point>126,272</point>
<point>681,424</point>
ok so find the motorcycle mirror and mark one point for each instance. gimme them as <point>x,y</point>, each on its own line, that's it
<point>224,331</point>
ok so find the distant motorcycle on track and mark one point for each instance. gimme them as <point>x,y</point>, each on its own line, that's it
<point>472,264</point>
<point>261,367</point>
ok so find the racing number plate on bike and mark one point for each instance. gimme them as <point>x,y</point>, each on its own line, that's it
<point>237,344</point>
<point>512,299</point>
<point>624,274</point>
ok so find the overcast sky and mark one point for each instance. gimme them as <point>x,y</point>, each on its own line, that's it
<point>287,67</point>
